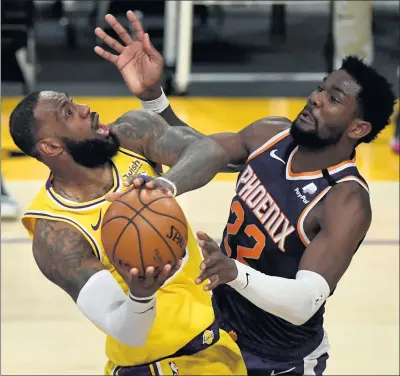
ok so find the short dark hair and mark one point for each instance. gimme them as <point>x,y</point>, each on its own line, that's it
<point>376,98</point>
<point>23,123</point>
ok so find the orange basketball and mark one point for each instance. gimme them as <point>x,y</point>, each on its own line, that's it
<point>144,228</point>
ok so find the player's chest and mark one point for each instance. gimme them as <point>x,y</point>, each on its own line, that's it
<point>275,213</point>
<point>274,200</point>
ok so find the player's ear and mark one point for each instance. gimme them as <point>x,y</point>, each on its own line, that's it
<point>50,147</point>
<point>359,129</point>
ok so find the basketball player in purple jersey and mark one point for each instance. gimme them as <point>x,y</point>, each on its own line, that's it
<point>300,212</point>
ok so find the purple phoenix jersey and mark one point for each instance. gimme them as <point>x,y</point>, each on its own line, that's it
<point>266,231</point>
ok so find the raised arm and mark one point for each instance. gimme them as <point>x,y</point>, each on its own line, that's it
<point>141,67</point>
<point>147,133</point>
<point>66,258</point>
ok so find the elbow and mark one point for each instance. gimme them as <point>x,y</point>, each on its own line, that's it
<point>302,312</point>
<point>220,155</point>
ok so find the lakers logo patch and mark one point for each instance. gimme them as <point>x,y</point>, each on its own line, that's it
<point>208,337</point>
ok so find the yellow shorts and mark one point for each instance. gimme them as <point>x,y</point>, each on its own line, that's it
<point>222,358</point>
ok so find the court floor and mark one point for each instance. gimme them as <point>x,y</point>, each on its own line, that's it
<point>42,332</point>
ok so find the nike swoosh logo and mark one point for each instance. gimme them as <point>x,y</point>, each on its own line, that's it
<point>247,279</point>
<point>273,155</point>
<point>96,226</point>
<point>279,373</point>
<point>147,310</point>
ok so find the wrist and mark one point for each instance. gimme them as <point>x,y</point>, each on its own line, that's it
<point>151,94</point>
<point>140,299</point>
<point>240,281</point>
<point>171,184</point>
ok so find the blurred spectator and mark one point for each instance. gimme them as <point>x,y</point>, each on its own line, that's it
<point>9,207</point>
<point>395,142</point>
<point>352,30</point>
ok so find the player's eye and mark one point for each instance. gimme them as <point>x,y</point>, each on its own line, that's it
<point>334,99</point>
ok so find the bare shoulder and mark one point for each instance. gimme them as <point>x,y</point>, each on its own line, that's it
<point>147,133</point>
<point>136,127</point>
<point>348,202</point>
<point>262,130</point>
<point>63,255</point>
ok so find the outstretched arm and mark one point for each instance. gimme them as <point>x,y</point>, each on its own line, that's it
<point>148,134</point>
<point>194,159</point>
<point>155,100</point>
<point>141,66</point>
<point>345,219</point>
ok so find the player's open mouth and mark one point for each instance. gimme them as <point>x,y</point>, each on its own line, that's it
<point>99,127</point>
<point>307,117</point>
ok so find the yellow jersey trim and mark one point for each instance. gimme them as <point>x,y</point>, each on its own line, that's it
<point>117,184</point>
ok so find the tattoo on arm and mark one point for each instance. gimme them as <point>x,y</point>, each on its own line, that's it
<point>195,158</point>
<point>172,119</point>
<point>148,134</point>
<point>64,256</point>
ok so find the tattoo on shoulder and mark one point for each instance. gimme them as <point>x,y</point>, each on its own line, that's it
<point>138,126</point>
<point>64,256</point>
<point>148,134</point>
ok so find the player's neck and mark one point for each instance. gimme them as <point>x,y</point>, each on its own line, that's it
<point>80,183</point>
<point>311,160</point>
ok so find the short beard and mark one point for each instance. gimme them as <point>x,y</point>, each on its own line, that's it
<point>92,153</point>
<point>311,140</point>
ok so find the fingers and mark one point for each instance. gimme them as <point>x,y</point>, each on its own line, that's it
<point>208,246</point>
<point>151,51</point>
<point>119,29</point>
<point>176,267</point>
<point>214,282</point>
<point>207,274</point>
<point>111,42</point>
<point>113,196</point>
<point>164,274</point>
<point>153,184</point>
<point>136,25</point>
<point>208,263</point>
<point>203,236</point>
<point>136,181</point>
<point>148,278</point>
<point>106,55</point>
<point>134,275</point>
<point>117,195</point>
<point>168,271</point>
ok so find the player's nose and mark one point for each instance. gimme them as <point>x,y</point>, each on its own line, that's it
<point>84,110</point>
<point>315,99</point>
